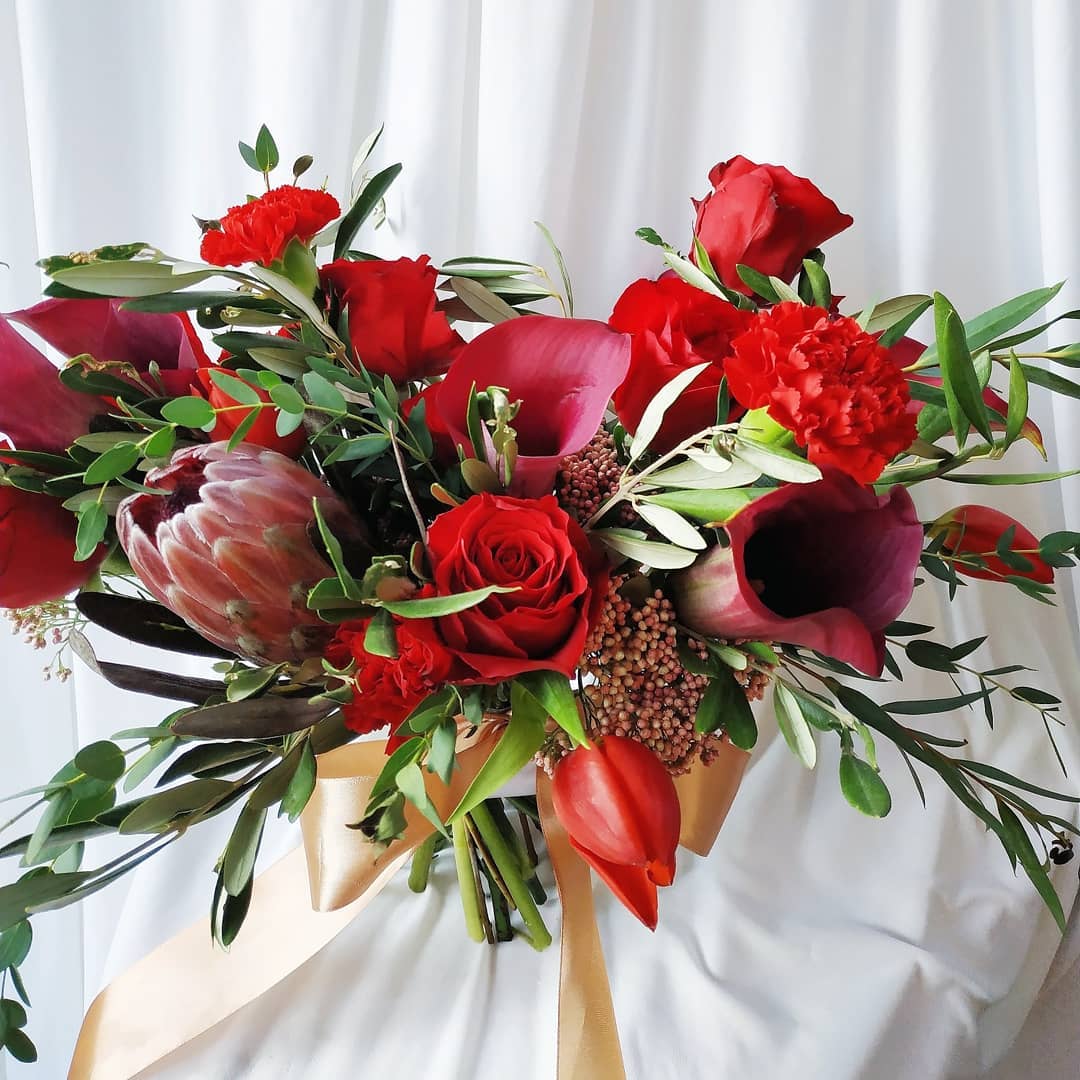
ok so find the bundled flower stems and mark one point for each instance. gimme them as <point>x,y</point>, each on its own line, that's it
<point>424,502</point>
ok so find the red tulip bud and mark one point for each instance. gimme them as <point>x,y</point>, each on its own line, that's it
<point>620,809</point>
<point>976,531</point>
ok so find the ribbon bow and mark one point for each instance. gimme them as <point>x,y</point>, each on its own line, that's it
<point>123,1034</point>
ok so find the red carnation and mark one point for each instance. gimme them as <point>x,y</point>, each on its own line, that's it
<point>674,326</point>
<point>388,689</point>
<point>827,381</point>
<point>260,230</point>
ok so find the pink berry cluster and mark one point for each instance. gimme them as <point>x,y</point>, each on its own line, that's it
<point>590,477</point>
<point>634,684</point>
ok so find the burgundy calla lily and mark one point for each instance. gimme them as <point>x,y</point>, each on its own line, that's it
<point>563,371</point>
<point>37,411</point>
<point>827,565</point>
<point>621,812</point>
<point>108,333</point>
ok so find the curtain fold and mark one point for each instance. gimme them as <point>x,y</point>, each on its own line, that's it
<point>813,943</point>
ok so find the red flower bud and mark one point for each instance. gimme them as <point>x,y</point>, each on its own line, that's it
<point>262,433</point>
<point>976,530</point>
<point>621,811</point>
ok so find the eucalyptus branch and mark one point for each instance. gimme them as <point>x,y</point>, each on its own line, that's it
<point>629,481</point>
<point>413,505</point>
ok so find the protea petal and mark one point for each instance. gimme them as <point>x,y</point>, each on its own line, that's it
<point>227,546</point>
<point>564,372</point>
<point>827,565</point>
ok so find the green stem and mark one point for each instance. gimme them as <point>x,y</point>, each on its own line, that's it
<point>421,864</point>
<point>506,861</point>
<point>470,902</point>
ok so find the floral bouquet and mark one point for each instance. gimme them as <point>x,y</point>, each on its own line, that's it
<point>398,498</point>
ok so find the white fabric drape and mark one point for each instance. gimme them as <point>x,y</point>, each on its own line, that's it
<point>813,943</point>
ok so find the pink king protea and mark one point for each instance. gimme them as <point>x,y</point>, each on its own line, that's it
<point>227,546</point>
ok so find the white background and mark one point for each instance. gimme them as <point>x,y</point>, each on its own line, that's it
<point>813,943</point>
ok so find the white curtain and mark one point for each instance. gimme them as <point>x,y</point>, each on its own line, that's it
<point>813,943</point>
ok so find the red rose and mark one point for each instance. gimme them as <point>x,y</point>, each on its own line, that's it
<point>388,689</point>
<point>533,547</point>
<point>827,381</point>
<point>674,326</point>
<point>764,217</point>
<point>37,550</point>
<point>261,230</point>
<point>393,322</point>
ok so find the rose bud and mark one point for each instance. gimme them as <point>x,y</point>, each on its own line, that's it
<point>674,326</point>
<point>110,334</point>
<point>976,531</point>
<point>227,545</point>
<point>827,565</point>
<point>621,813</point>
<point>37,550</point>
<point>563,371</point>
<point>394,325</point>
<point>763,217</point>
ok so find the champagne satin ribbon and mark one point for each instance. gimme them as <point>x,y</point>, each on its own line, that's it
<point>187,986</point>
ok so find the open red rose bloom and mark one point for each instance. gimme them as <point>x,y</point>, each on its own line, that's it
<point>417,504</point>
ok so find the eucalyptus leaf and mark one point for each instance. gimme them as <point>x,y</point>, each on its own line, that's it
<point>863,787</point>
<point>158,812</point>
<point>653,416</point>
<point>130,279</point>
<point>238,864</point>
<point>671,525</point>
<point>366,201</point>
<point>776,462</point>
<point>432,607</point>
<point>646,552</point>
<point>793,726</point>
<point>710,507</point>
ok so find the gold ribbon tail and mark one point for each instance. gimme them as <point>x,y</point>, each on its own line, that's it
<point>187,986</point>
<point>588,1047</point>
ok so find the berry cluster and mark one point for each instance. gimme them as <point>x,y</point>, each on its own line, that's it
<point>634,683</point>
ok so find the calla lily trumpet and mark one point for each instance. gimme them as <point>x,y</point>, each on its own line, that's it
<point>827,565</point>
<point>563,371</point>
